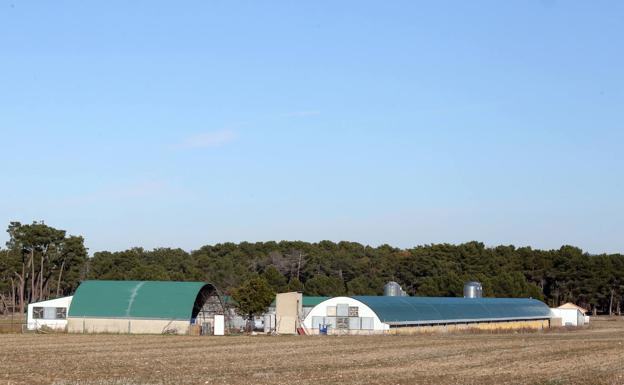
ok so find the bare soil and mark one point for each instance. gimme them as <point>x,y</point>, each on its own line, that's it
<point>592,355</point>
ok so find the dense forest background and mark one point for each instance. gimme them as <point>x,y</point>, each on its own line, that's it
<point>41,262</point>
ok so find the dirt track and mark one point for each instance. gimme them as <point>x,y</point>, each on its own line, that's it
<point>588,356</point>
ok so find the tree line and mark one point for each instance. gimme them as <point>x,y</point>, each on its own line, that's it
<point>41,262</point>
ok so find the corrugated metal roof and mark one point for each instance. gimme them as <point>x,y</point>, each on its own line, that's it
<point>135,299</point>
<point>569,305</point>
<point>313,301</point>
<point>432,310</point>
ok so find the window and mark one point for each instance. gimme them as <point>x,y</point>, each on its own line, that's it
<point>61,313</point>
<point>367,323</point>
<point>37,312</point>
<point>49,313</point>
<point>342,310</point>
<point>354,323</point>
<point>343,317</point>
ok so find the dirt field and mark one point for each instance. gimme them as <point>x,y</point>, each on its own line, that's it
<point>588,356</point>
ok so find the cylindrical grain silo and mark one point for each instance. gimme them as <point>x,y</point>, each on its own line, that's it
<point>473,289</point>
<point>392,289</point>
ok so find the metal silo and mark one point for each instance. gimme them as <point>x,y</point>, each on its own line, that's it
<point>392,289</point>
<point>473,289</point>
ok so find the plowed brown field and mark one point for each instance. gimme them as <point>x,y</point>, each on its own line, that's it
<point>594,355</point>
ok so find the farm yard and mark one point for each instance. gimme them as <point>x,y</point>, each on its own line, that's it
<point>593,355</point>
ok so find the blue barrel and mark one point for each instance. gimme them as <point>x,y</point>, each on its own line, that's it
<point>323,330</point>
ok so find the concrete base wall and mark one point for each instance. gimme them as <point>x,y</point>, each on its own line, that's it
<point>466,327</point>
<point>336,332</point>
<point>59,324</point>
<point>126,326</point>
<point>478,326</point>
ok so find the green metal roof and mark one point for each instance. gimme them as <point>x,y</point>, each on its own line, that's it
<point>313,301</point>
<point>309,301</point>
<point>433,310</point>
<point>135,299</point>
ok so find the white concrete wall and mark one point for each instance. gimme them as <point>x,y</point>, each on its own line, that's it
<point>569,317</point>
<point>320,310</point>
<point>58,324</point>
<point>126,326</point>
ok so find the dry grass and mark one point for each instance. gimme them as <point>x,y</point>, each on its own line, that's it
<point>587,356</point>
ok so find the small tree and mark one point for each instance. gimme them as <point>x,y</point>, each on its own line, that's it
<point>295,285</point>
<point>253,297</point>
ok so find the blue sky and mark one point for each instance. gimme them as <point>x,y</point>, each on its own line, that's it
<point>153,123</point>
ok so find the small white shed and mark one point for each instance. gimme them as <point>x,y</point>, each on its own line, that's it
<point>569,316</point>
<point>51,313</point>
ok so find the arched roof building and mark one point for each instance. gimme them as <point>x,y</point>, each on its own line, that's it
<point>375,314</point>
<point>140,307</point>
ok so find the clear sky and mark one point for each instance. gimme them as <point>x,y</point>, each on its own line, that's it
<point>162,123</point>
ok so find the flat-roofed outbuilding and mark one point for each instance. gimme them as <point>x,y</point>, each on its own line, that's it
<point>48,314</point>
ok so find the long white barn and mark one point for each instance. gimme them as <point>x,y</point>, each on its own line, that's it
<point>390,314</point>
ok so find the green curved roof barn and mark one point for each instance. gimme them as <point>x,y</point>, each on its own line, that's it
<point>137,299</point>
